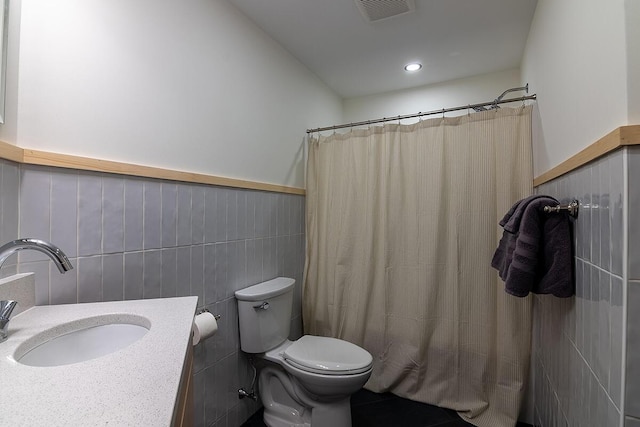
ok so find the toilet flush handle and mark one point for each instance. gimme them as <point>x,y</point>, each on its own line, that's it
<point>263,306</point>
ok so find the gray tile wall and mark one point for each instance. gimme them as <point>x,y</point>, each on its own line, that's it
<point>9,208</point>
<point>632,392</point>
<point>578,341</point>
<point>133,238</point>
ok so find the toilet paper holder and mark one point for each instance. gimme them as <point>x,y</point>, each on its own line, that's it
<point>206,310</point>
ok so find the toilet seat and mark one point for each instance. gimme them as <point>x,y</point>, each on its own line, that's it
<point>327,356</point>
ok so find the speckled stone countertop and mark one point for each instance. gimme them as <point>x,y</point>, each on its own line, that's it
<point>135,386</point>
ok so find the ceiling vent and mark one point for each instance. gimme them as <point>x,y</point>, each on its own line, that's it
<point>376,10</point>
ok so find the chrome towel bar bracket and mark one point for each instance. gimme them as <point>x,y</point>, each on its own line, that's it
<point>572,209</point>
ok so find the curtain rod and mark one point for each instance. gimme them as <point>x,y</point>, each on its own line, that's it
<point>428,113</point>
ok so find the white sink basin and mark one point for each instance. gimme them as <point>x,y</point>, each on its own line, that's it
<point>92,338</point>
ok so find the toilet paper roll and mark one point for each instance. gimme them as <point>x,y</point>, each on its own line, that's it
<point>204,325</point>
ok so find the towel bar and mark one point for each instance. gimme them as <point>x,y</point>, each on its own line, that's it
<point>571,208</point>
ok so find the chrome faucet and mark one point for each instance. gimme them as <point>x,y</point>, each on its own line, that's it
<point>55,253</point>
<point>59,259</point>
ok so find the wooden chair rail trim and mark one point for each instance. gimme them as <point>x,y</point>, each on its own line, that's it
<point>620,137</point>
<point>44,158</point>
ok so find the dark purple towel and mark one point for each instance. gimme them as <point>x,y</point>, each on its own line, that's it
<point>534,254</point>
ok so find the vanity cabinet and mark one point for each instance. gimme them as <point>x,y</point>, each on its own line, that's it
<point>183,412</point>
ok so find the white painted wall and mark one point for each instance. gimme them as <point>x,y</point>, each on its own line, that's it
<point>191,86</point>
<point>575,60</point>
<point>453,93</point>
<point>632,11</point>
<point>162,83</point>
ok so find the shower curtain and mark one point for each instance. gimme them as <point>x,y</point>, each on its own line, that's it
<point>402,223</point>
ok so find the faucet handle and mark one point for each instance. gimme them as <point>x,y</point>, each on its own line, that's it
<point>6,307</point>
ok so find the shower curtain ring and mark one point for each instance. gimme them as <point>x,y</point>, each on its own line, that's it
<point>443,113</point>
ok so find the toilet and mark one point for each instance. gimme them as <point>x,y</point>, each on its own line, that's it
<point>304,383</point>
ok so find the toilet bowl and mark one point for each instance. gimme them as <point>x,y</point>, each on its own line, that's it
<point>304,383</point>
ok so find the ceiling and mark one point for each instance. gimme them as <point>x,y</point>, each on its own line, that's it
<point>451,38</point>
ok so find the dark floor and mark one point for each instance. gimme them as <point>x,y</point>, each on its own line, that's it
<point>370,409</point>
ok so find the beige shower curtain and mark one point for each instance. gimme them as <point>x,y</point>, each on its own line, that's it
<point>402,222</point>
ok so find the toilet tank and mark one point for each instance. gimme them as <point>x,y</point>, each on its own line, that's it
<point>264,312</point>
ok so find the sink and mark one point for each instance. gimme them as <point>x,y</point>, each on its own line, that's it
<point>82,340</point>
<point>121,388</point>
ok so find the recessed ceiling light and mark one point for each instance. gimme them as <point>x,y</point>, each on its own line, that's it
<point>414,66</point>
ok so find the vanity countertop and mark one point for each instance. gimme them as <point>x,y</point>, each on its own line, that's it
<point>135,386</point>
